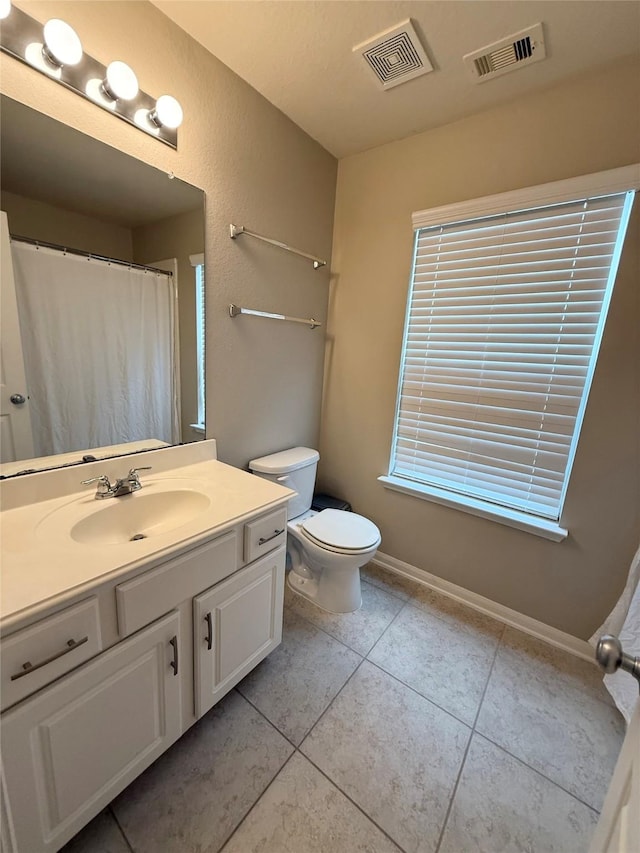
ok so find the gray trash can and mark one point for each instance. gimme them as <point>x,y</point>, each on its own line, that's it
<point>321,501</point>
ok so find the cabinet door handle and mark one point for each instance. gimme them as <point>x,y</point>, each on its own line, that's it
<point>29,667</point>
<point>209,637</point>
<point>174,663</point>
<point>275,534</point>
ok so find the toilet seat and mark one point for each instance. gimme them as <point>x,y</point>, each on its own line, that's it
<point>341,532</point>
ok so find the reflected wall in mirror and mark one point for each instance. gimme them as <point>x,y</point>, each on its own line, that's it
<point>111,352</point>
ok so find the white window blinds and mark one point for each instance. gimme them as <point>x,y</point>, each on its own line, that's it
<point>200,337</point>
<point>197,262</point>
<point>503,327</point>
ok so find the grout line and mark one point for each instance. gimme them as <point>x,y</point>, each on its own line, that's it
<point>342,642</point>
<point>394,677</point>
<point>413,690</point>
<point>330,705</point>
<point>122,832</point>
<point>326,633</point>
<point>574,690</point>
<point>421,695</point>
<point>557,673</point>
<point>466,752</point>
<point>307,758</point>
<point>253,805</point>
<point>461,624</point>
<point>500,643</point>
<point>401,610</point>
<point>453,793</point>
<point>403,597</point>
<point>334,784</point>
<point>363,658</point>
<point>476,731</point>
<point>546,633</point>
<point>538,772</point>
<point>271,723</point>
<point>491,668</point>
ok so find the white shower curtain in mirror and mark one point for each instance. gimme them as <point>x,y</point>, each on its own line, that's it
<point>99,350</point>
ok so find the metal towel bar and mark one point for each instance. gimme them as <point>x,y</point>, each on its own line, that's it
<point>237,230</point>
<point>235,310</point>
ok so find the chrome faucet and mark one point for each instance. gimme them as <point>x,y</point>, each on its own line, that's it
<point>124,486</point>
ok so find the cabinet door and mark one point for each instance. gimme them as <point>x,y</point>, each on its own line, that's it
<point>72,747</point>
<point>236,624</point>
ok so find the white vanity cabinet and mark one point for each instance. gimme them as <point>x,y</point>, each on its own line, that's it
<point>175,638</point>
<point>236,624</point>
<point>68,750</point>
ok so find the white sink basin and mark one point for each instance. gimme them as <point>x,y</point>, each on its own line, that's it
<point>138,516</point>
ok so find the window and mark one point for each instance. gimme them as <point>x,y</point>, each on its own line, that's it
<point>506,309</point>
<point>200,340</point>
<point>197,262</point>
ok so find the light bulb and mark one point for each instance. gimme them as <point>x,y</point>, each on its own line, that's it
<point>94,89</point>
<point>5,8</point>
<point>61,43</point>
<point>168,112</point>
<point>120,82</point>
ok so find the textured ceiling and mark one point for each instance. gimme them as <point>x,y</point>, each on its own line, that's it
<point>298,54</point>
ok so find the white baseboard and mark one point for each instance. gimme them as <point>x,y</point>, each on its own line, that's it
<point>547,633</point>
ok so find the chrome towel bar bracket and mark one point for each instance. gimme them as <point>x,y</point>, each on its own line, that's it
<point>237,230</point>
<point>235,311</point>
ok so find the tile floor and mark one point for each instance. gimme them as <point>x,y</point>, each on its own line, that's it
<point>415,725</point>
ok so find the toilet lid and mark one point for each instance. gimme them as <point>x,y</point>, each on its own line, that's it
<point>337,528</point>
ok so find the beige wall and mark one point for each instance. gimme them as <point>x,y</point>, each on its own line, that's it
<point>586,125</point>
<point>41,221</point>
<point>257,169</point>
<point>178,237</point>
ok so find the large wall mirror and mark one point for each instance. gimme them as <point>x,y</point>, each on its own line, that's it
<point>102,298</point>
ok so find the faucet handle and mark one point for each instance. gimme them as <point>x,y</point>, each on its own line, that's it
<point>133,477</point>
<point>104,484</point>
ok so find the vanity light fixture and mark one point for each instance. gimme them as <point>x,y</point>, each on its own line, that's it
<point>61,43</point>
<point>56,50</point>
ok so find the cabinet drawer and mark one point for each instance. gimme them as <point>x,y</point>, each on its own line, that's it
<point>145,598</point>
<point>39,654</point>
<point>265,534</point>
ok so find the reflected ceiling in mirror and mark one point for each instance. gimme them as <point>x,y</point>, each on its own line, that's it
<point>64,188</point>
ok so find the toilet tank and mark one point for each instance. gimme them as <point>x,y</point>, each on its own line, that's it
<point>295,469</point>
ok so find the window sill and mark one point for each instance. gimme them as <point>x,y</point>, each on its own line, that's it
<point>512,518</point>
<point>199,428</point>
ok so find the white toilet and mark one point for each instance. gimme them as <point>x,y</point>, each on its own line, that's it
<point>326,548</point>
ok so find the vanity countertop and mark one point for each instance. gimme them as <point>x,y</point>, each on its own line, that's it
<point>43,565</point>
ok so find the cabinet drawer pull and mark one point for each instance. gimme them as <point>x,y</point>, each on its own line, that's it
<point>209,637</point>
<point>274,535</point>
<point>29,667</point>
<point>174,663</point>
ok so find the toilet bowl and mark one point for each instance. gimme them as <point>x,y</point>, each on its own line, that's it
<point>324,549</point>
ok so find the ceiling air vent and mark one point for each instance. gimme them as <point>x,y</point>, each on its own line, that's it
<point>395,55</point>
<point>506,55</point>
